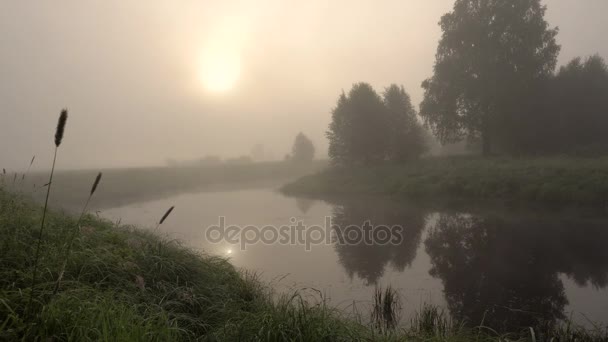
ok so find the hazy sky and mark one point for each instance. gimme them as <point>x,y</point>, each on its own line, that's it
<point>149,80</point>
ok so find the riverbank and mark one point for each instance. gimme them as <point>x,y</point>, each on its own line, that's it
<point>127,284</point>
<point>130,185</point>
<point>553,181</point>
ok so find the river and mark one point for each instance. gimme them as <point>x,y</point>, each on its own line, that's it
<point>504,269</point>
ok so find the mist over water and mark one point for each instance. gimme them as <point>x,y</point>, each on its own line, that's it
<point>512,268</point>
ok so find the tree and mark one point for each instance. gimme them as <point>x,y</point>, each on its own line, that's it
<point>490,52</point>
<point>367,128</point>
<point>406,136</point>
<point>580,99</point>
<point>338,133</point>
<point>567,113</point>
<point>303,150</point>
<point>358,131</point>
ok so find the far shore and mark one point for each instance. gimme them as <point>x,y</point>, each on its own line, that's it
<point>561,181</point>
<point>131,185</point>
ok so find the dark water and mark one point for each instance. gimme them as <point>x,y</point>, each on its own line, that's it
<point>504,269</point>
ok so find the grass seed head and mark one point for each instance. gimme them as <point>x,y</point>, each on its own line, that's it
<point>166,215</point>
<point>97,179</point>
<point>63,118</point>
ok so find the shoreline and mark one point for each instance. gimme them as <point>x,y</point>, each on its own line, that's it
<point>547,182</point>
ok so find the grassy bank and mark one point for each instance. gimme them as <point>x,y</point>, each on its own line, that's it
<point>130,185</point>
<point>126,284</point>
<point>579,181</point>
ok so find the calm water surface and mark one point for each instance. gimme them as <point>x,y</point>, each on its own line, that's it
<point>513,269</point>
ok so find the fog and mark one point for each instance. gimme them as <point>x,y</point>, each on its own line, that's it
<point>229,167</point>
<point>141,79</point>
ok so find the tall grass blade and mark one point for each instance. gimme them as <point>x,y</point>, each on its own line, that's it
<point>75,231</point>
<point>58,137</point>
<point>28,170</point>
<point>164,217</point>
<point>386,309</point>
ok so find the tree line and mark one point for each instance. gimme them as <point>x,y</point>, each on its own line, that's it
<point>368,128</point>
<point>494,85</point>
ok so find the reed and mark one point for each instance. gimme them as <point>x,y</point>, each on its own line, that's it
<point>75,231</point>
<point>59,132</point>
<point>386,309</point>
<point>28,170</point>
<point>167,213</point>
<point>432,320</point>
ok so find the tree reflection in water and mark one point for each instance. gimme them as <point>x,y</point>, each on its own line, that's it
<point>369,262</point>
<point>304,204</point>
<point>505,272</point>
<point>502,271</point>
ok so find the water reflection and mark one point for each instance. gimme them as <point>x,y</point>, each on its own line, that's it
<point>505,272</point>
<point>509,269</point>
<point>304,204</point>
<point>369,262</point>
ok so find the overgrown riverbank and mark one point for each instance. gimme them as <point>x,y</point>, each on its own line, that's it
<point>559,181</point>
<point>126,284</point>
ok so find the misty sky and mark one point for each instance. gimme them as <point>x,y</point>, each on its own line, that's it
<point>142,79</point>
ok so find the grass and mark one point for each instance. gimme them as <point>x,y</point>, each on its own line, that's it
<point>126,284</point>
<point>386,309</point>
<point>554,181</point>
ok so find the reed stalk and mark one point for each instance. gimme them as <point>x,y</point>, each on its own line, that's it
<point>63,117</point>
<point>27,171</point>
<point>75,231</point>
<point>164,217</point>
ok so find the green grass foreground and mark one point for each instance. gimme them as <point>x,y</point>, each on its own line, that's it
<point>578,181</point>
<point>125,284</point>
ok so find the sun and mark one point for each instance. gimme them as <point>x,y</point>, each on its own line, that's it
<point>220,71</point>
<point>220,59</point>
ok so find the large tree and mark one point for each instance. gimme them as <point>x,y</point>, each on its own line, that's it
<point>490,52</point>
